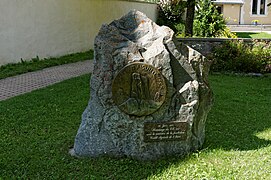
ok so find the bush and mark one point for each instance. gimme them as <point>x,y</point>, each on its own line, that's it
<point>237,56</point>
<point>208,22</point>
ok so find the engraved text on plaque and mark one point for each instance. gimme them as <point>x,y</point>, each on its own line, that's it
<point>168,131</point>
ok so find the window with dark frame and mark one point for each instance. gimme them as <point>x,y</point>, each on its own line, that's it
<point>258,7</point>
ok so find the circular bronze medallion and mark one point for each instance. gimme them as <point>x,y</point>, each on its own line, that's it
<point>139,89</point>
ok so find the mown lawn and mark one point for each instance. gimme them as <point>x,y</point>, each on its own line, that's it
<point>37,129</point>
<point>254,35</point>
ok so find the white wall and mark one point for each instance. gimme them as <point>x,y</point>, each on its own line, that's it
<point>50,28</point>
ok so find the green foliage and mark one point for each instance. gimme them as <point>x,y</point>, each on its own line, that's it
<point>170,13</point>
<point>237,56</point>
<point>37,130</point>
<point>226,33</point>
<point>208,22</point>
<point>180,30</point>
<point>37,64</point>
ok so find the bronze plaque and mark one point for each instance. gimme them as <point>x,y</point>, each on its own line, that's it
<point>168,131</point>
<point>139,89</point>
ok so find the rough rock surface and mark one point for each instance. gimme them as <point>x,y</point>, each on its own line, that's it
<point>105,129</point>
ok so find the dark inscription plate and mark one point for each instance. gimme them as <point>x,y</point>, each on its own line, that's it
<point>139,89</point>
<point>169,131</point>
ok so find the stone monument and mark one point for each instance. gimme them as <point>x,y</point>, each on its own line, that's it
<point>149,94</point>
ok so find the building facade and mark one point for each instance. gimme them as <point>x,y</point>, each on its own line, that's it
<point>245,11</point>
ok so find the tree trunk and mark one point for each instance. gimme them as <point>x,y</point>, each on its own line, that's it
<point>190,18</point>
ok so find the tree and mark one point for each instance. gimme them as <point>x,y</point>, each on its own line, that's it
<point>170,13</point>
<point>190,13</point>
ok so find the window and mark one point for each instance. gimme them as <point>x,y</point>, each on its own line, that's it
<point>219,9</point>
<point>262,7</point>
<point>259,7</point>
<point>254,6</point>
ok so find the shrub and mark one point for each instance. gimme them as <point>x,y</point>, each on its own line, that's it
<point>208,22</point>
<point>237,56</point>
<point>226,33</point>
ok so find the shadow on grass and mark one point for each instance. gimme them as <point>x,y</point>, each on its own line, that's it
<point>245,34</point>
<point>241,110</point>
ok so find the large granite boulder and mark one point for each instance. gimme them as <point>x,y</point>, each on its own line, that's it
<point>149,94</point>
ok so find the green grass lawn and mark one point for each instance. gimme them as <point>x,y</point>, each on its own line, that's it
<point>254,35</point>
<point>37,129</point>
<point>36,64</point>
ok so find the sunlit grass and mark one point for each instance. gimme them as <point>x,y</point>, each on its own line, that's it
<point>254,35</point>
<point>266,134</point>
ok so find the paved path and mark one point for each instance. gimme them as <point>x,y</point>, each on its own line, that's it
<point>250,28</point>
<point>17,85</point>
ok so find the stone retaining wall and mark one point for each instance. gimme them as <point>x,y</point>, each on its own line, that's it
<point>206,45</point>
